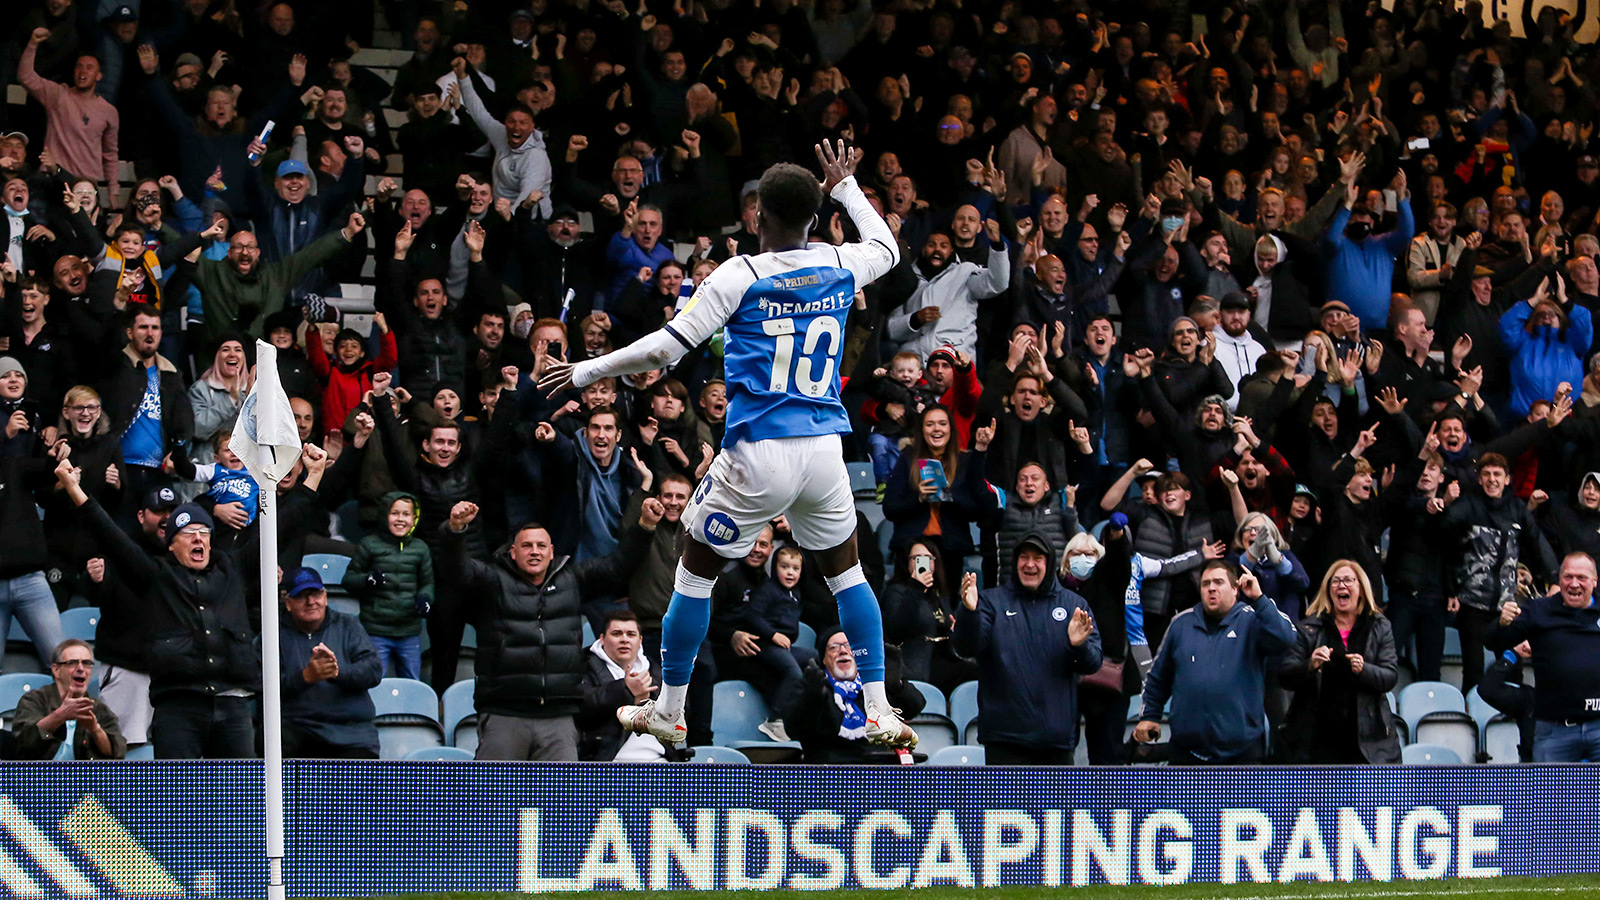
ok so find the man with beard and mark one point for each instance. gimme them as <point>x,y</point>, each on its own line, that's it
<point>1217,260</point>
<point>218,137</point>
<point>82,126</point>
<point>562,260</point>
<point>1237,349</point>
<point>943,309</point>
<point>1023,431</point>
<point>1360,264</point>
<point>239,291</point>
<point>1199,439</point>
<point>440,477</point>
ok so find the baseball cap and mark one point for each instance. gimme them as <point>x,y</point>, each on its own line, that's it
<point>17,135</point>
<point>302,580</point>
<point>1151,475</point>
<point>1482,272</point>
<point>187,59</point>
<point>1588,159</point>
<point>161,499</point>
<point>293,167</point>
<point>123,13</point>
<point>1301,490</point>
<point>1334,306</point>
<point>1235,300</point>
<point>522,14</point>
<point>9,364</point>
<point>564,211</point>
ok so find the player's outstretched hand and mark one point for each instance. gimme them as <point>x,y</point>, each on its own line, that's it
<point>557,377</point>
<point>837,164</point>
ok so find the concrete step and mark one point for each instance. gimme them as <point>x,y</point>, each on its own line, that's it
<point>395,118</point>
<point>17,94</point>
<point>376,57</point>
<point>384,39</point>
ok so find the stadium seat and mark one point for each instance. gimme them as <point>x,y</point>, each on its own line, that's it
<point>807,637</point>
<point>1136,706</point>
<point>1428,755</point>
<point>934,733</point>
<point>80,623</point>
<point>872,511</point>
<point>936,704</point>
<point>1502,741</point>
<point>1099,529</point>
<point>884,533</point>
<point>737,713</point>
<point>13,686</point>
<point>862,482</point>
<point>440,754</point>
<point>959,755</point>
<point>143,751</point>
<point>973,564</point>
<point>330,566</point>
<point>718,755</point>
<point>350,606</point>
<point>1452,643</point>
<point>460,717</point>
<point>1436,713</point>
<point>407,717</point>
<point>588,633</point>
<point>964,707</point>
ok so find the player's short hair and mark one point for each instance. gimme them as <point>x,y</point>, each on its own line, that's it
<point>1493,461</point>
<point>616,417</point>
<point>618,615</point>
<point>790,195</point>
<point>790,551</point>
<point>1170,481</point>
<point>907,355</point>
<point>220,438</point>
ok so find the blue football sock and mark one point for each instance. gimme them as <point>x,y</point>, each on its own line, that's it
<point>861,620</point>
<point>684,626</point>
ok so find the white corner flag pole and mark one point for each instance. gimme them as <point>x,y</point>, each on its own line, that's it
<point>266,439</point>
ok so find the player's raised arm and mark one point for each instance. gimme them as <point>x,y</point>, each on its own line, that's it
<point>878,251</point>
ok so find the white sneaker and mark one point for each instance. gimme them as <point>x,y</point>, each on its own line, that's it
<point>885,728</point>
<point>643,719</point>
<point>773,728</point>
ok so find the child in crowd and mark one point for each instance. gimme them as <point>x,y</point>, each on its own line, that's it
<point>349,374</point>
<point>772,614</point>
<point>391,574</point>
<point>901,385</point>
<point>233,493</point>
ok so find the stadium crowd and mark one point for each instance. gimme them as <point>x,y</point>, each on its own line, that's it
<point>1238,353</point>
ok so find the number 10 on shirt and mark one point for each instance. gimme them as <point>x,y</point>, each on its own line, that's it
<point>783,354</point>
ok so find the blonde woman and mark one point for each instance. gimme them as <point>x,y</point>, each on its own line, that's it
<point>1340,668</point>
<point>217,395</point>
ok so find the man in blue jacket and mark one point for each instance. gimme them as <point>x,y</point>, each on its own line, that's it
<point>1360,264</point>
<point>328,665</point>
<point>1032,639</point>
<point>1212,667</point>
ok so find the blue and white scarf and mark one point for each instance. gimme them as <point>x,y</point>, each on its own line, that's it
<point>847,696</point>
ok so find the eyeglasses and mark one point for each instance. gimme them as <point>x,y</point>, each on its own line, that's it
<point>1342,580</point>
<point>86,408</point>
<point>1088,240</point>
<point>832,647</point>
<point>197,530</point>
<point>76,663</point>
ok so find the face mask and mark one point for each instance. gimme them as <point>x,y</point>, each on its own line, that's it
<point>1081,566</point>
<point>1357,231</point>
<point>522,328</point>
<point>1171,223</point>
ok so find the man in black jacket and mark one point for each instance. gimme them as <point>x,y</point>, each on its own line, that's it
<point>204,662</point>
<point>528,607</point>
<point>619,674</point>
<point>147,403</point>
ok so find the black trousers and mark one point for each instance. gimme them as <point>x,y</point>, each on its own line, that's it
<point>1424,618</point>
<point>1249,757</point>
<point>1001,754</point>
<point>198,726</point>
<point>446,625</point>
<point>301,744</point>
<point>1473,624</point>
<point>1105,718</point>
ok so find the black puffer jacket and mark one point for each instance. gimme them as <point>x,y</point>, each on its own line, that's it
<point>439,488</point>
<point>1160,535</point>
<point>531,659</point>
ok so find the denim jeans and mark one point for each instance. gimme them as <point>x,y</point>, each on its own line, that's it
<point>406,652</point>
<point>885,454</point>
<point>29,599</point>
<point>1563,742</point>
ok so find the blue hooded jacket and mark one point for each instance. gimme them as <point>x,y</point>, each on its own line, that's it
<point>1542,360</point>
<point>1028,684</point>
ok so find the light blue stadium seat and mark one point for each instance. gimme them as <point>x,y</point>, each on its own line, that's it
<point>460,717</point>
<point>1436,713</point>
<point>407,717</point>
<point>964,707</point>
<point>1502,740</point>
<point>1136,706</point>
<point>1428,755</point>
<point>934,733</point>
<point>872,510</point>
<point>80,623</point>
<point>959,755</point>
<point>16,684</point>
<point>862,482</point>
<point>1452,643</point>
<point>440,754</point>
<point>737,713</point>
<point>1099,529</point>
<point>807,637</point>
<point>350,606</point>
<point>718,755</point>
<point>936,703</point>
<point>588,633</point>
<point>330,566</point>
<point>143,751</point>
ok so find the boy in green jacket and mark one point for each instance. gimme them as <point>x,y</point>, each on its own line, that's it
<point>392,575</point>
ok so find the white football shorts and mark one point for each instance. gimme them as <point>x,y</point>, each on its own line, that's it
<point>754,482</point>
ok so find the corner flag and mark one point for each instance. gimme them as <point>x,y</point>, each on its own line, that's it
<point>270,442</point>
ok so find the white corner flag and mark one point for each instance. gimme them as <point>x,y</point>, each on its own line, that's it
<point>270,442</point>
<point>266,440</point>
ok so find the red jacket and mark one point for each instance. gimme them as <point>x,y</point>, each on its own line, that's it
<point>346,388</point>
<point>962,398</point>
